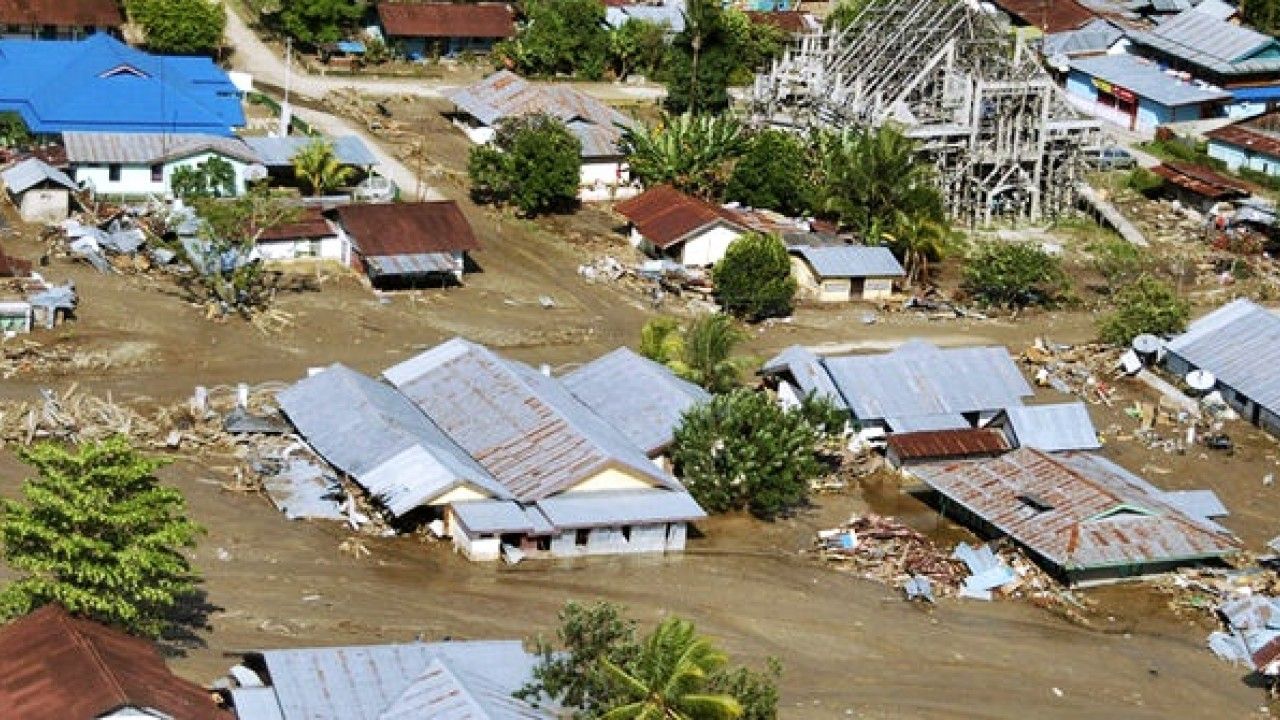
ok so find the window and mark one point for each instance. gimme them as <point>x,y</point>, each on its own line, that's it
<point>157,173</point>
<point>626,533</point>
<point>580,537</point>
<point>113,172</point>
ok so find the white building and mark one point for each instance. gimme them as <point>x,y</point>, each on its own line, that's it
<point>670,224</point>
<point>139,164</point>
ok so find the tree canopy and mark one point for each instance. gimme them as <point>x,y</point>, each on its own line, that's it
<point>693,153</point>
<point>532,163</point>
<point>212,178</point>
<point>317,166</point>
<point>1014,275</point>
<point>753,279</point>
<point>184,27</point>
<point>670,677</point>
<point>702,352</point>
<point>701,61</point>
<point>560,36</point>
<point>312,22</point>
<point>773,173</point>
<point>637,46</point>
<point>1264,15</point>
<point>1144,306</point>
<point>96,532</point>
<point>871,179</point>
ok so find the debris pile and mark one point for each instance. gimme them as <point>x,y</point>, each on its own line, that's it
<point>885,550</point>
<point>1086,371</point>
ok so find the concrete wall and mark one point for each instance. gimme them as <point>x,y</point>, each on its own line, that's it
<point>331,248</point>
<point>634,539</point>
<point>136,179</point>
<point>707,248</point>
<point>1237,157</point>
<point>1241,110</point>
<point>876,288</point>
<point>15,316</point>
<point>45,206</point>
<point>479,548</point>
<point>611,479</point>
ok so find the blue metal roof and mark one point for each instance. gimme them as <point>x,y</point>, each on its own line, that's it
<point>100,83</point>
<point>1256,94</point>
<point>1062,426</point>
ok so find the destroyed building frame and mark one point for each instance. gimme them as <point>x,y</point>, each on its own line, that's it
<point>999,131</point>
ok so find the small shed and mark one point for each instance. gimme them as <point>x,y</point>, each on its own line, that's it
<point>1200,187</point>
<point>41,192</point>
<point>839,273</point>
<point>665,222</point>
<point>311,236</point>
<point>409,244</point>
<point>914,448</point>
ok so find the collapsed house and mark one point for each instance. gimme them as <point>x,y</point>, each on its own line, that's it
<point>506,457</point>
<point>1080,516</point>
<point>472,679</point>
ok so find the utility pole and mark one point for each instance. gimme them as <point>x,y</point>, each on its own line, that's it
<point>286,113</point>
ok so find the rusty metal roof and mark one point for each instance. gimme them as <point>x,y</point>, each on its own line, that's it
<point>446,20</point>
<point>56,667</point>
<point>1074,512</point>
<point>1050,16</point>
<point>948,443</point>
<point>1257,134</point>
<point>1202,181</point>
<point>415,228</point>
<point>792,22</point>
<point>61,13</point>
<point>665,216</point>
<point>309,225</point>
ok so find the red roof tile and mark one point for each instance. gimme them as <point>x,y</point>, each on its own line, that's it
<point>1050,16</point>
<point>56,667</point>
<point>1202,181</point>
<point>61,13</point>
<point>414,228</point>
<point>666,216</point>
<point>309,225</point>
<point>447,20</point>
<point>948,443</point>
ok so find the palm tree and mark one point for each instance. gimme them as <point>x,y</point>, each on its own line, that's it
<point>706,352</point>
<point>918,240</point>
<point>875,176</point>
<point>690,152</point>
<point>667,680</point>
<point>318,167</point>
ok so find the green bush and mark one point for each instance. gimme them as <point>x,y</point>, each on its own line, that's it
<point>533,164</point>
<point>1118,260</point>
<point>1143,181</point>
<point>1146,306</point>
<point>1014,275</point>
<point>753,280</point>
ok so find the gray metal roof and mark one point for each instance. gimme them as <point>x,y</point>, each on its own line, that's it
<point>1096,36</point>
<point>497,516</point>
<point>1062,426</point>
<point>851,261</point>
<point>522,426</point>
<point>642,399</point>
<point>33,172</point>
<point>279,151</point>
<point>1145,78</point>
<point>145,148</point>
<point>256,703</point>
<point>410,264</point>
<point>920,379</point>
<point>925,423</point>
<point>445,681</point>
<point>808,372</point>
<point>1206,40</point>
<point>623,507</point>
<point>1240,344</point>
<point>374,434</point>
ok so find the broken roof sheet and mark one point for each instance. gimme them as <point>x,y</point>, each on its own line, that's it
<point>921,379</point>
<point>947,443</point>
<point>522,426</point>
<point>808,372</point>
<point>1206,40</point>
<point>621,507</point>
<point>1096,36</point>
<point>371,432</point>
<point>1202,181</point>
<point>30,173</point>
<point>146,148</point>
<point>1260,134</point>
<point>1240,344</point>
<point>639,397</point>
<point>850,261</point>
<point>1073,512</point>
<point>921,423</point>
<point>665,216</point>
<point>1061,426</point>
<point>279,151</point>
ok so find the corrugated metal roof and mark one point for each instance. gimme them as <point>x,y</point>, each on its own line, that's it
<point>1259,134</point>
<point>1097,36</point>
<point>920,379</point>
<point>144,148</point>
<point>523,427</point>
<point>808,372</point>
<point>410,228</point>
<point>1074,512</point>
<point>279,151</point>
<point>62,13</point>
<point>1146,79</point>
<point>30,173</point>
<point>1202,181</point>
<point>256,703</point>
<point>851,261</point>
<point>921,423</point>
<point>1240,344</point>
<point>1048,15</point>
<point>364,682</point>
<point>446,20</point>
<point>1197,503</point>
<point>412,264</point>
<point>374,434</point>
<point>642,399</point>
<point>665,216</point>
<point>623,507</point>
<point>495,516</point>
<point>1205,40</point>
<point>947,443</point>
<point>1062,426</point>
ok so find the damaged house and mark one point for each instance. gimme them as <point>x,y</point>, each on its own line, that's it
<point>504,456</point>
<point>41,193</point>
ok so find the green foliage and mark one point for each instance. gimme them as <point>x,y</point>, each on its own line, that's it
<point>702,58</point>
<point>667,680</point>
<point>701,353</point>
<point>212,178</point>
<point>753,279</point>
<point>97,533</point>
<point>773,173</point>
<point>1257,177</point>
<point>845,13</point>
<point>661,339</point>
<point>1119,261</point>
<point>180,26</point>
<point>917,240</point>
<point>13,130</point>
<point>1014,275</point>
<point>575,677</point>
<point>822,415</point>
<point>1183,150</point>
<point>637,46</point>
<point>873,179</point>
<point>376,51</point>
<point>692,153</point>
<point>317,166</point>
<point>232,228</point>
<point>755,44</point>
<point>755,691</point>
<point>1143,180</point>
<point>1261,14</point>
<point>313,22</point>
<point>533,164</point>
<point>1145,306</point>
<point>742,450</point>
<point>560,37</point>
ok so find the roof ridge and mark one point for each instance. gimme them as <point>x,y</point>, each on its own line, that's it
<point>81,638</point>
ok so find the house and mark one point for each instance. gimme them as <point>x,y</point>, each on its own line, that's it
<point>434,29</point>
<point>277,154</point>
<point>1049,16</point>
<point>58,19</point>
<point>483,106</point>
<point>407,681</point>
<point>1198,186</point>
<point>1099,36</point>
<point>406,244</point>
<point>667,223</point>
<point>792,22</point>
<point>99,84</point>
<point>1208,48</point>
<point>133,164</point>
<point>925,446</point>
<point>1137,94</point>
<point>1253,143</point>
<point>41,193</point>
<point>1239,343</point>
<point>1080,516</point>
<point>641,398</point>
<point>1052,428</point>
<point>311,236</point>
<point>840,273</point>
<point>65,668</point>
<point>505,457</point>
<point>796,373</point>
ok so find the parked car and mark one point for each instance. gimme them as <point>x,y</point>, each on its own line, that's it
<point>1110,158</point>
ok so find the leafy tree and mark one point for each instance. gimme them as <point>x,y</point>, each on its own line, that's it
<point>753,279</point>
<point>560,37</point>
<point>180,26</point>
<point>319,169</point>
<point>701,353</point>
<point>1145,306</point>
<point>575,676</point>
<point>637,45</point>
<point>741,450</point>
<point>755,44</point>
<point>692,153</point>
<point>871,179</point>
<point>1261,14</point>
<point>773,173</point>
<point>845,13</point>
<point>312,22</point>
<point>668,679</point>
<point>13,130</point>
<point>97,533</point>
<point>212,178</point>
<point>918,240</point>
<point>702,58</point>
<point>534,163</point>
<point>756,692</point>
<point>1014,275</point>
<point>661,339</point>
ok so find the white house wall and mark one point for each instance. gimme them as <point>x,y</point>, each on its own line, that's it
<point>45,206</point>
<point>336,249</point>
<point>135,179</point>
<point>709,247</point>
